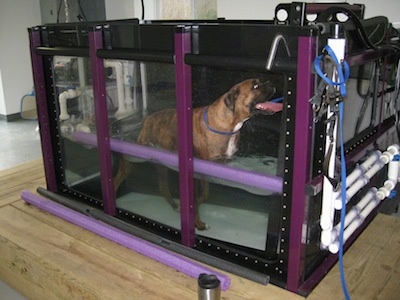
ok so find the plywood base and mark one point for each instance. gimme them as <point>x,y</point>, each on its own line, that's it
<point>372,265</point>
<point>45,257</point>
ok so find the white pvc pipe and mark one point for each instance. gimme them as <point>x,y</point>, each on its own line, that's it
<point>327,216</point>
<point>353,176</point>
<point>359,183</point>
<point>356,216</point>
<point>355,180</point>
<point>334,247</point>
<point>391,151</point>
<point>328,195</point>
<point>360,169</point>
<point>117,66</point>
<point>385,190</point>
<point>135,85</point>
<point>355,211</point>
<point>352,190</point>
<point>374,169</point>
<point>143,78</point>
<point>82,81</point>
<point>128,85</point>
<point>62,100</point>
<point>377,165</point>
<point>390,183</point>
<point>393,171</point>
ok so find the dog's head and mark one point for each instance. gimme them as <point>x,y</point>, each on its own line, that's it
<point>250,97</point>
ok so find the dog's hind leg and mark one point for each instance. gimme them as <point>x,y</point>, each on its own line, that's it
<point>164,187</point>
<point>166,193</point>
<point>202,190</point>
<point>124,169</point>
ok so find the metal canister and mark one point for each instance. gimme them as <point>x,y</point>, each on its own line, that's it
<point>209,287</point>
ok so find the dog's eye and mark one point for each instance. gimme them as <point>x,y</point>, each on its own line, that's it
<point>256,86</point>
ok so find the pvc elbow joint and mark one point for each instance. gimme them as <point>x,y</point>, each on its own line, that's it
<point>62,98</point>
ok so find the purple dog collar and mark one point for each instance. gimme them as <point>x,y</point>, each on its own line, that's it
<point>205,119</point>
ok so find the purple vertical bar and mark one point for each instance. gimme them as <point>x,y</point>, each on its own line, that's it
<point>43,111</point>
<point>185,132</point>
<point>101,114</point>
<point>302,158</point>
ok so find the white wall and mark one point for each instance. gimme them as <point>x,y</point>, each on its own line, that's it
<point>262,9</point>
<point>388,8</point>
<point>127,9</point>
<point>119,9</point>
<point>2,102</point>
<point>15,63</point>
<point>249,9</point>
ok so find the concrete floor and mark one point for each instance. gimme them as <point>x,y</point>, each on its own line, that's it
<point>19,143</point>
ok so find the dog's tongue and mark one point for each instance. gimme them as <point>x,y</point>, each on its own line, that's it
<point>269,106</point>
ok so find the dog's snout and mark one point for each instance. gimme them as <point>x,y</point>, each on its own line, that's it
<point>267,84</point>
<point>267,87</point>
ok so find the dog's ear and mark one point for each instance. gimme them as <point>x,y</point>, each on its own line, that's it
<point>230,99</point>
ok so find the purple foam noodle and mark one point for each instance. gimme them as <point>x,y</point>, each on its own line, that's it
<point>253,179</point>
<point>120,237</point>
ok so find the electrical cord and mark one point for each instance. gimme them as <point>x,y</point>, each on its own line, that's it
<point>359,24</point>
<point>343,211</point>
<point>142,3</point>
<point>342,76</point>
<point>366,98</point>
<point>58,11</point>
<point>396,100</point>
<point>81,11</point>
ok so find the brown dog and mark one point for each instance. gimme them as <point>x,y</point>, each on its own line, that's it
<point>215,132</point>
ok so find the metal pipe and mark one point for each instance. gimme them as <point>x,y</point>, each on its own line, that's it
<point>274,48</point>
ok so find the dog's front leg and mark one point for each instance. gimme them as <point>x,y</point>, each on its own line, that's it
<point>200,225</point>
<point>202,189</point>
<point>164,187</point>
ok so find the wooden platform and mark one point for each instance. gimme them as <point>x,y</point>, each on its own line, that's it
<point>45,257</point>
